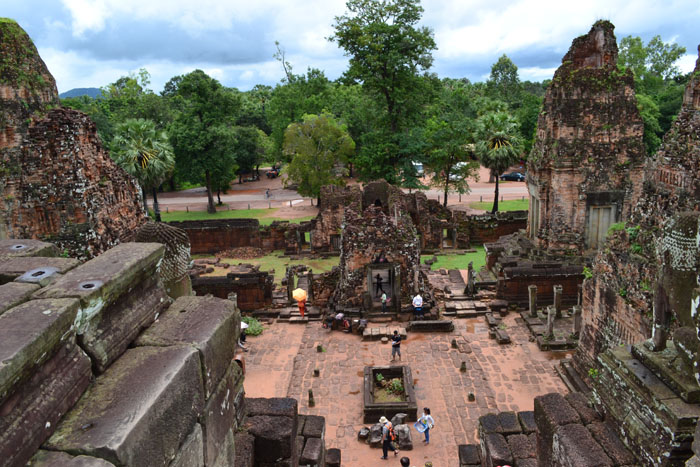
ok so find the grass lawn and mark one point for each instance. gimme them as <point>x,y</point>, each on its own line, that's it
<point>264,216</point>
<point>508,205</point>
<point>273,261</point>
<point>459,261</point>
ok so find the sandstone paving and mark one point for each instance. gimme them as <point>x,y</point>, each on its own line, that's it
<point>502,378</point>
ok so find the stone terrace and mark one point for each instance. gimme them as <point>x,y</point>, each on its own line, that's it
<point>282,361</point>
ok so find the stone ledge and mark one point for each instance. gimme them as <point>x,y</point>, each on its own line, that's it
<point>15,293</point>
<point>26,247</point>
<point>44,458</point>
<point>13,268</point>
<point>161,391</point>
<point>431,326</point>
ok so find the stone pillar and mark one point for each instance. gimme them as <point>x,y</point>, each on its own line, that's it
<point>290,285</point>
<point>577,321</point>
<point>558,291</point>
<point>310,280</point>
<point>470,279</point>
<point>532,292</point>
<point>579,294</point>
<point>551,313</point>
<point>233,296</point>
<point>662,318</point>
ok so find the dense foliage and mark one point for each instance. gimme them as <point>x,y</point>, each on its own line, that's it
<point>386,116</point>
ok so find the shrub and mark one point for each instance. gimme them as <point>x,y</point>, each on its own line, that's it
<point>255,328</point>
<point>395,386</point>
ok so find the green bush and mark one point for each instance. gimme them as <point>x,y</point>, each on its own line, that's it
<point>587,273</point>
<point>616,227</point>
<point>395,386</point>
<point>255,328</point>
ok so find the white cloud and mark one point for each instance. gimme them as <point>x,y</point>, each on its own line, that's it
<point>687,63</point>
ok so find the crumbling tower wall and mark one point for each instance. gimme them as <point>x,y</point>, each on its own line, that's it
<point>585,167</point>
<point>57,182</point>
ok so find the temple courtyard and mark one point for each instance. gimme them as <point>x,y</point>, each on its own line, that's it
<point>282,360</point>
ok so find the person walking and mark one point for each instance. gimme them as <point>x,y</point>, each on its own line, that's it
<point>395,346</point>
<point>388,437</point>
<point>425,422</point>
<point>418,306</point>
<point>383,302</point>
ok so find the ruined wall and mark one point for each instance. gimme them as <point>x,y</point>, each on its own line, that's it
<point>212,236</point>
<point>252,288</point>
<point>618,298</point>
<point>588,149</point>
<point>57,182</point>
<point>485,228</point>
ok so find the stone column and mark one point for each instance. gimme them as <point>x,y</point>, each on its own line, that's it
<point>577,321</point>
<point>532,292</point>
<point>551,313</point>
<point>579,294</point>
<point>470,279</point>
<point>310,280</point>
<point>662,318</point>
<point>290,285</point>
<point>558,291</point>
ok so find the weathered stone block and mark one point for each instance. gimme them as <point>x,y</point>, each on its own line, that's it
<point>313,453</point>
<point>521,447</point>
<point>333,457</point>
<point>315,427</point>
<point>497,450</point>
<point>15,293</point>
<point>209,324</point>
<point>527,421</point>
<point>218,417</point>
<point>35,406</point>
<point>26,247</point>
<point>160,388</point>
<point>375,435</point>
<point>14,268</point>
<point>300,445</point>
<point>551,411</point>
<point>611,444</point>
<point>245,450</point>
<point>191,453</point>
<point>509,423</point>
<point>227,452</point>
<point>275,437</point>
<point>120,295</point>
<point>274,406</point>
<point>580,404</point>
<point>31,333</point>
<point>469,454</point>
<point>490,423</point>
<point>573,445</point>
<point>403,437</point>
<point>44,458</point>
<point>399,419</point>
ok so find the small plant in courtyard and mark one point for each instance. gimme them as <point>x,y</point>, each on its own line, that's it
<point>593,373</point>
<point>587,273</point>
<point>255,328</point>
<point>380,378</point>
<point>395,386</point>
<point>502,326</point>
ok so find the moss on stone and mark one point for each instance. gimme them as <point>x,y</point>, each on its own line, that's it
<point>20,63</point>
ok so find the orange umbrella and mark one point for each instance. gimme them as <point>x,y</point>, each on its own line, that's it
<point>299,294</point>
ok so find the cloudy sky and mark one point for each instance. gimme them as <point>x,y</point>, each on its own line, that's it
<point>90,43</point>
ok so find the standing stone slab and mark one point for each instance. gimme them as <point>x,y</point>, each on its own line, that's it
<point>312,455</point>
<point>245,450</point>
<point>275,438</point>
<point>29,334</point>
<point>315,427</point>
<point>44,458</point>
<point>31,413</point>
<point>573,445</point>
<point>191,453</point>
<point>139,411</point>
<point>333,458</point>
<point>497,451</point>
<point>218,418</point>
<point>120,294</point>
<point>226,456</point>
<point>15,293</point>
<point>14,268</point>
<point>25,247</point>
<point>551,412</point>
<point>208,323</point>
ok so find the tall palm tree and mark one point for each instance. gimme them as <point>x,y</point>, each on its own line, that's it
<point>499,145</point>
<point>145,153</point>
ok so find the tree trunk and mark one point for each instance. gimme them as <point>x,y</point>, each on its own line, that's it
<point>492,176</point>
<point>156,208</point>
<point>145,200</point>
<point>318,201</point>
<point>495,200</point>
<point>210,197</point>
<point>218,197</point>
<point>447,184</point>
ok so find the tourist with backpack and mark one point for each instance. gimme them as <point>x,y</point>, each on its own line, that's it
<point>388,437</point>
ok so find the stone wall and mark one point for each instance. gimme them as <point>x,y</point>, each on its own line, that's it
<point>57,182</point>
<point>84,344</point>
<point>212,236</point>
<point>253,288</point>
<point>485,228</point>
<point>588,151</point>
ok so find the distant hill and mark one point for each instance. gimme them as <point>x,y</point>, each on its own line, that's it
<point>77,92</point>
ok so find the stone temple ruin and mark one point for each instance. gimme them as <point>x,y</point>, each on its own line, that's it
<point>116,351</point>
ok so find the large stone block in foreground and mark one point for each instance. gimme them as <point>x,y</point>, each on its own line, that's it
<point>120,295</point>
<point>208,323</point>
<point>61,459</point>
<point>38,267</point>
<point>26,247</point>
<point>15,293</point>
<point>139,411</point>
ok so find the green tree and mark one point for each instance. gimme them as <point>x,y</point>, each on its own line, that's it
<point>202,134</point>
<point>504,82</point>
<point>655,59</point>
<point>499,145</point>
<point>319,147</point>
<point>387,51</point>
<point>449,135</point>
<point>144,153</point>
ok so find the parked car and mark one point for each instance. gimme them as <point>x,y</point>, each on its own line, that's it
<point>273,173</point>
<point>513,177</point>
<point>419,168</point>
